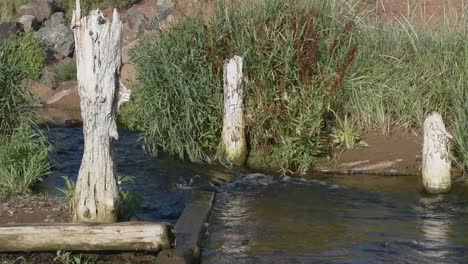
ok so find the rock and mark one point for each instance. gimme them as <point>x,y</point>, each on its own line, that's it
<point>164,9</point>
<point>29,23</point>
<point>37,91</point>
<point>55,20</point>
<point>128,74</point>
<point>126,51</point>
<point>58,39</point>
<point>9,28</point>
<point>48,77</point>
<point>137,21</point>
<point>41,9</point>
<point>67,97</point>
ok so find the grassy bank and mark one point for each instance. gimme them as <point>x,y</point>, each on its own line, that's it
<point>23,151</point>
<point>315,74</point>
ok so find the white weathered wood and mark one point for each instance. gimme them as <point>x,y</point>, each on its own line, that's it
<point>233,136</point>
<point>98,57</point>
<point>86,237</point>
<point>436,162</point>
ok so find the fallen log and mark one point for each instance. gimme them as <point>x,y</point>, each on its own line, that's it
<point>141,236</point>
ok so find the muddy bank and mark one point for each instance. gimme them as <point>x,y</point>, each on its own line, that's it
<point>33,209</point>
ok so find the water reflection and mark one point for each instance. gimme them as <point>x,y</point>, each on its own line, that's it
<point>435,221</point>
<point>340,220</point>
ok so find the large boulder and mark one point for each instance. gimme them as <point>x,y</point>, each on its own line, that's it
<point>57,38</point>
<point>40,9</point>
<point>9,28</point>
<point>29,23</point>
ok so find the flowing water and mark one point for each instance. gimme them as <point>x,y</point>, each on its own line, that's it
<point>265,219</point>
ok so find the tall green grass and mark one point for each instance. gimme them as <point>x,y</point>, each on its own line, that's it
<point>23,160</point>
<point>304,61</point>
<point>296,59</point>
<point>23,151</point>
<point>25,52</point>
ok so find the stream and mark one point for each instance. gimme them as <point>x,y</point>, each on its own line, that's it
<point>259,218</point>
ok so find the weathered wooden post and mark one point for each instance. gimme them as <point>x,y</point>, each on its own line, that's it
<point>233,137</point>
<point>436,162</point>
<point>98,57</point>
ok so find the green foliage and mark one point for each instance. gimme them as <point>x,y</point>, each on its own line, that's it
<point>130,201</point>
<point>69,190</point>
<point>65,72</point>
<point>460,130</point>
<point>23,160</point>
<point>344,133</point>
<point>291,76</point>
<point>402,73</point>
<point>180,94</point>
<point>25,52</point>
<point>12,100</point>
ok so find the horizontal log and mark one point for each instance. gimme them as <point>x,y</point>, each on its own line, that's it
<point>143,236</point>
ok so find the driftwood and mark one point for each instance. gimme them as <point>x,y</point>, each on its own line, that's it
<point>233,137</point>
<point>86,237</point>
<point>436,163</point>
<point>98,57</point>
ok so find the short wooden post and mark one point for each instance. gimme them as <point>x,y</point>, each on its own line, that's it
<point>436,162</point>
<point>98,56</point>
<point>233,137</point>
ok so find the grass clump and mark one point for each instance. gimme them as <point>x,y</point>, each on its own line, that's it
<point>23,160</point>
<point>23,150</point>
<point>296,61</point>
<point>460,129</point>
<point>25,52</point>
<point>65,72</point>
<point>12,100</point>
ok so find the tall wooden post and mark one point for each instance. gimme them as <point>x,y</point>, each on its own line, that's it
<point>98,56</point>
<point>436,163</point>
<point>233,137</point>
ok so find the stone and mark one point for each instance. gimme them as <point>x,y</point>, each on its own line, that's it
<point>48,77</point>
<point>126,58</point>
<point>37,92</point>
<point>137,21</point>
<point>58,39</point>
<point>29,23</point>
<point>128,74</point>
<point>67,97</point>
<point>164,9</point>
<point>41,9</point>
<point>9,28</point>
<point>56,19</point>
